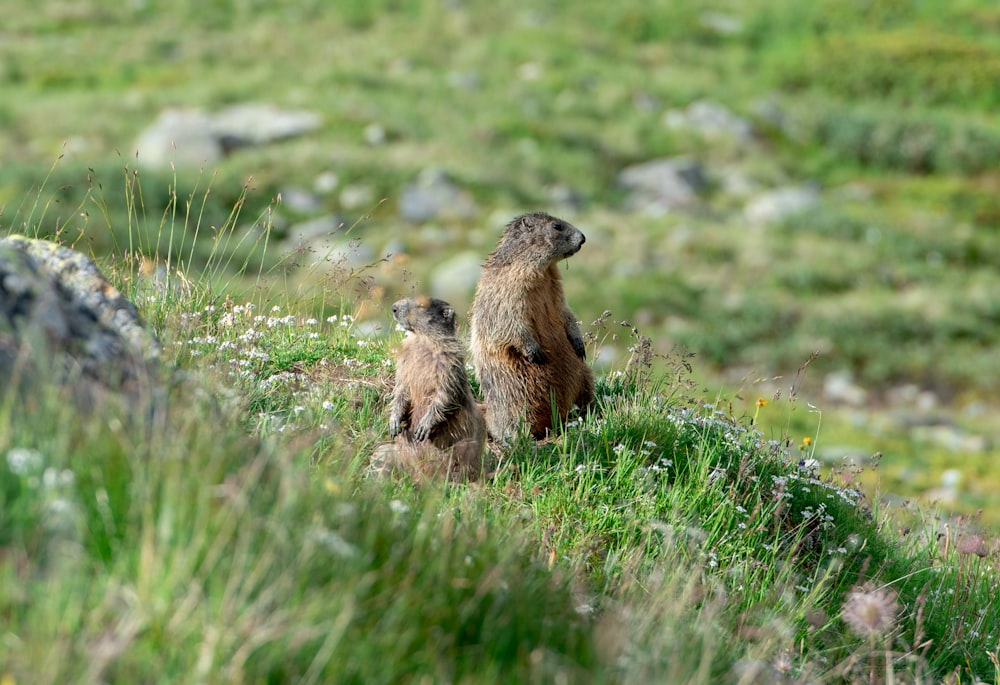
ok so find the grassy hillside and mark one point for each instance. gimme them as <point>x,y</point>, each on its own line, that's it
<point>884,107</point>
<point>226,531</point>
<point>230,534</point>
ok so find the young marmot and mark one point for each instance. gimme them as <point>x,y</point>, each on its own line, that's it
<point>437,426</point>
<point>526,345</point>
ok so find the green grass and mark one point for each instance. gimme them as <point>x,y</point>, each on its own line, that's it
<point>228,531</point>
<point>885,105</point>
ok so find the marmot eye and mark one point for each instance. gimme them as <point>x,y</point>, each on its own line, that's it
<point>556,226</point>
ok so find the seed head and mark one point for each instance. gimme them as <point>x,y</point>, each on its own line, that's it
<point>870,611</point>
<point>973,544</point>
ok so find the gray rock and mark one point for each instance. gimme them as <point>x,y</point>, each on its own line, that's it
<point>258,123</point>
<point>395,246</point>
<point>911,396</point>
<point>193,137</point>
<point>661,186</point>
<point>81,278</point>
<point>59,314</point>
<point>645,102</point>
<point>300,200</point>
<point>433,235</point>
<point>845,455</point>
<point>839,388</point>
<point>332,255</point>
<point>434,195</point>
<point>530,71</point>
<point>771,113</point>
<point>778,205</point>
<point>308,231</point>
<point>709,119</point>
<point>951,438</point>
<point>735,182</point>
<point>949,491</point>
<point>357,196</point>
<point>375,135</point>
<point>927,401</point>
<point>951,478</point>
<point>464,80</point>
<point>181,136</point>
<point>721,24</point>
<point>326,183</point>
<point>456,278</point>
<point>566,198</point>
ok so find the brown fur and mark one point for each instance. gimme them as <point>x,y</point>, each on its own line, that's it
<point>526,345</point>
<point>438,427</point>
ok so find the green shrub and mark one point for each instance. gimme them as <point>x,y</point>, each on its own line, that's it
<point>918,142</point>
<point>908,66</point>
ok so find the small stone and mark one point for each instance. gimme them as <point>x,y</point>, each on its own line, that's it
<point>357,196</point>
<point>566,198</point>
<point>661,186</point>
<point>840,388</point>
<point>645,102</point>
<point>736,183</point>
<point>777,205</point>
<point>927,401</point>
<point>464,80</point>
<point>300,200</point>
<point>374,135</point>
<point>258,123</point>
<point>722,24</point>
<point>709,119</point>
<point>183,137</point>
<point>529,71</point>
<point>951,438</point>
<point>456,278</point>
<point>331,254</point>
<point>769,112</point>
<point>951,478</point>
<point>432,195</point>
<point>326,183</point>
<point>307,231</point>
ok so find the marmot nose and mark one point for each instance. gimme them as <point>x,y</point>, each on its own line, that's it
<point>583,239</point>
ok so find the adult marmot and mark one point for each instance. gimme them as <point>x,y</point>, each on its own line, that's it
<point>526,345</point>
<point>434,418</point>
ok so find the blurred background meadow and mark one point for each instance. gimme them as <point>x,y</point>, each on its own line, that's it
<point>759,181</point>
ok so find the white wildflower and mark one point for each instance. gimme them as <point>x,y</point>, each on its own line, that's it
<point>23,462</point>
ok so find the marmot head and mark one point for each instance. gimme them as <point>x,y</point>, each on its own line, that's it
<point>538,238</point>
<point>426,315</point>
